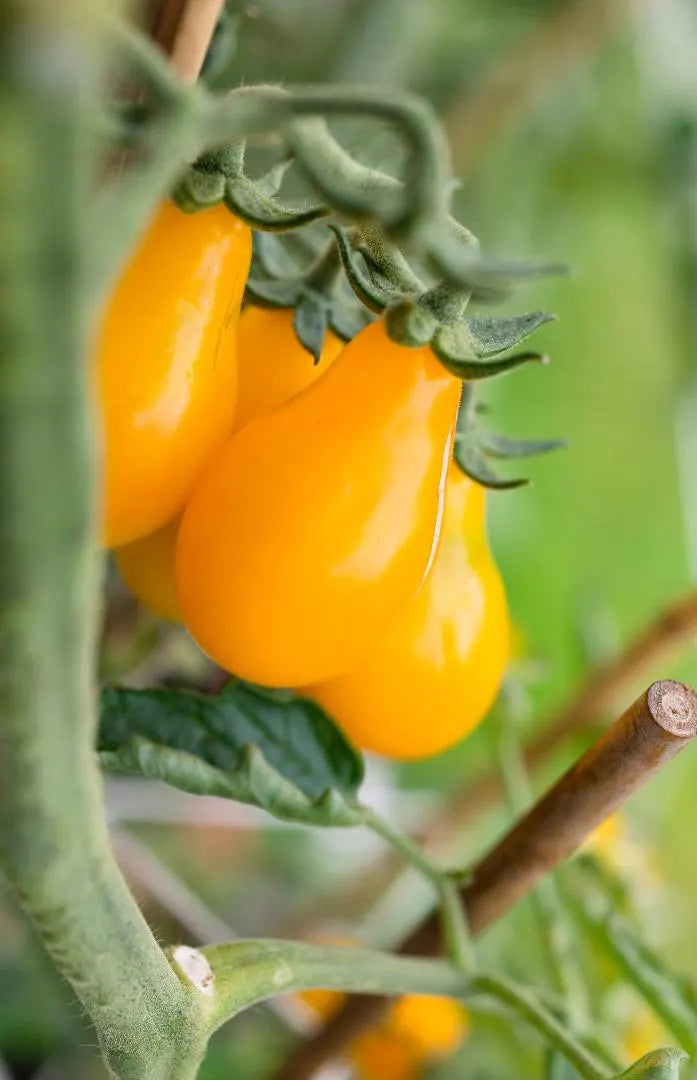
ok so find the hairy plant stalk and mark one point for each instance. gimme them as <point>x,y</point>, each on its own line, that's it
<point>53,841</point>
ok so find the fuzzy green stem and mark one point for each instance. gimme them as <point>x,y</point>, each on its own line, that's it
<point>551,916</point>
<point>53,842</point>
<point>544,1022</point>
<point>248,972</point>
<point>659,987</point>
<point>456,935</point>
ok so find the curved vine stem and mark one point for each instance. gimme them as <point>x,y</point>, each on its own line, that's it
<point>456,936</point>
<point>54,846</point>
<point>247,972</point>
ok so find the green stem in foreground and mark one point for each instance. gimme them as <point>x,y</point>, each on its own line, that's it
<point>552,917</point>
<point>457,939</point>
<point>248,972</point>
<point>54,846</point>
<point>547,1025</point>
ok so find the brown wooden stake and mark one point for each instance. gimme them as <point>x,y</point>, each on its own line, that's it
<point>650,733</point>
<point>673,627</point>
<point>183,29</point>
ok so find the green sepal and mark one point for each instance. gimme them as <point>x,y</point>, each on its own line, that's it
<point>499,446</point>
<point>490,336</point>
<point>250,204</point>
<point>319,297</point>
<point>661,1064</point>
<point>474,464</point>
<point>270,293</point>
<point>272,257</point>
<point>270,749</point>
<point>489,278</point>
<point>198,190</point>
<point>475,444</point>
<point>410,323</point>
<point>366,288</point>
<point>311,322</point>
<point>270,182</point>
<point>348,319</point>
<point>446,344</point>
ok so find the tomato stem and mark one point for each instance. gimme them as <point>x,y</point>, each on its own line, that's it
<point>456,936</point>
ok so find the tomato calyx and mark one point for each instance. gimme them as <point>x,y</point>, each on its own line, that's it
<point>315,293</point>
<point>476,444</point>
<point>219,176</point>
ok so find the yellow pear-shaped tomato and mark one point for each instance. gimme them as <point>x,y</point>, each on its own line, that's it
<point>435,673</point>
<point>272,364</point>
<point>266,347</point>
<point>147,567</point>
<point>166,364</point>
<point>316,522</point>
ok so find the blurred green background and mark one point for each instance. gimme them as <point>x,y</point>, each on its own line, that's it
<point>573,126</point>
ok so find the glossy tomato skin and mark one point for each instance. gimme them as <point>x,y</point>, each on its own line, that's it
<point>317,522</point>
<point>147,567</point>
<point>435,673</point>
<point>272,364</point>
<point>166,365</point>
<point>266,345</point>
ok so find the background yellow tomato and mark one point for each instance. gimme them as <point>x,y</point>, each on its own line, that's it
<point>272,364</point>
<point>147,567</point>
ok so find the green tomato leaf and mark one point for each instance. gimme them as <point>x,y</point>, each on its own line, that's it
<point>658,1065</point>
<point>267,748</point>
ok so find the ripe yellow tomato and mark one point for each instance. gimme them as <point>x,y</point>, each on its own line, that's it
<point>166,365</point>
<point>435,673</point>
<point>416,1031</point>
<point>433,1026</point>
<point>642,1033</point>
<point>147,567</point>
<point>272,364</point>
<point>272,368</point>
<point>378,1055</point>
<point>317,522</point>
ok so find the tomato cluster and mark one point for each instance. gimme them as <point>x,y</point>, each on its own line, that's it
<point>303,520</point>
